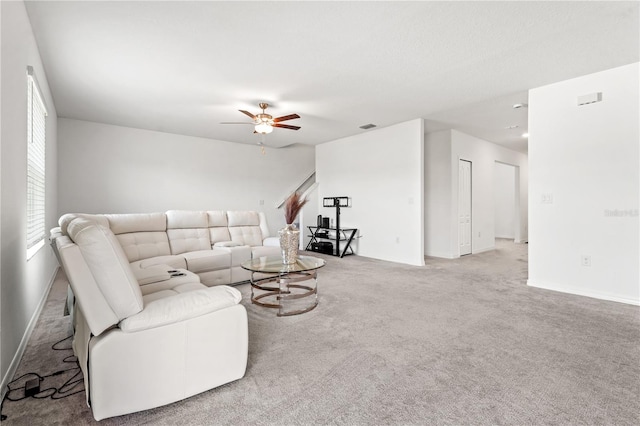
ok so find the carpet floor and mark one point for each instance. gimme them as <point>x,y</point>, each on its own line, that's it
<point>457,342</point>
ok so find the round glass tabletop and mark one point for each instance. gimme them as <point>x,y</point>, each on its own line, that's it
<point>274,265</point>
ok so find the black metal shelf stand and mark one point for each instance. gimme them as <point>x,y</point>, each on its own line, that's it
<point>346,234</point>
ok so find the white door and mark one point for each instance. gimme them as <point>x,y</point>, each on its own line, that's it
<point>464,207</point>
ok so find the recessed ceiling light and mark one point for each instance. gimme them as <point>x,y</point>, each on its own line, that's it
<point>525,135</point>
<point>515,126</point>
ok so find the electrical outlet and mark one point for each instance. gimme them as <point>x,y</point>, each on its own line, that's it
<point>546,198</point>
<point>585,260</point>
<point>262,202</point>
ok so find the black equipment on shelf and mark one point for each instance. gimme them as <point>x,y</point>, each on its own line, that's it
<point>325,247</point>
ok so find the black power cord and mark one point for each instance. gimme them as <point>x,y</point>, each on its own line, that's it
<point>67,389</point>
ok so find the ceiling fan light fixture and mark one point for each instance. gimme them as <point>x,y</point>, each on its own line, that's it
<point>263,128</point>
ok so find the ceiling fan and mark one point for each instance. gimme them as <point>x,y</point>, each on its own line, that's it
<point>264,123</point>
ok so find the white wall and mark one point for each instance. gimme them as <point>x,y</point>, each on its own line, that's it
<point>441,210</point>
<point>504,195</point>
<point>585,165</point>
<point>113,169</point>
<point>382,172</point>
<point>24,284</point>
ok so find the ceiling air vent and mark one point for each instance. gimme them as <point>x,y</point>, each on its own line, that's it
<point>368,126</point>
<point>590,98</point>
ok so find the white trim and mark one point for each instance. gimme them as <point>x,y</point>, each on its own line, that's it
<point>442,255</point>
<point>306,179</point>
<point>33,250</point>
<point>34,80</point>
<point>482,250</point>
<point>15,362</point>
<point>581,292</point>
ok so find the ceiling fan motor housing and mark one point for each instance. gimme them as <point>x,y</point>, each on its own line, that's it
<point>264,118</point>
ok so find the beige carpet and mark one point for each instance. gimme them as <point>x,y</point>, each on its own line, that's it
<point>456,342</point>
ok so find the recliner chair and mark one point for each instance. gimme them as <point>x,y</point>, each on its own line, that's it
<point>142,351</point>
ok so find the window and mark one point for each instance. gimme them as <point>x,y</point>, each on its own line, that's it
<point>36,122</point>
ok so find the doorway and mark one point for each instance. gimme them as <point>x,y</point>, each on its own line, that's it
<point>464,207</point>
<point>506,190</point>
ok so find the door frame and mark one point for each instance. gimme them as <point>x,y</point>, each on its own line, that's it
<point>470,208</point>
<point>517,234</point>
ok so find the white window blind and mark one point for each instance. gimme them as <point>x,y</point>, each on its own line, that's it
<point>36,126</point>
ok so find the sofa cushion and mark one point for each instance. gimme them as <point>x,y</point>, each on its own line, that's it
<point>175,262</point>
<point>186,240</point>
<point>219,234</point>
<point>246,235</point>
<point>217,218</point>
<point>108,265</point>
<point>187,231</point>
<point>243,218</point>
<point>184,280</point>
<point>143,245</point>
<point>173,307</point>
<point>218,226</point>
<point>182,219</point>
<point>207,260</point>
<point>137,222</point>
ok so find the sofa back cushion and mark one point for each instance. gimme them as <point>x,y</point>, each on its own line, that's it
<point>99,315</point>
<point>137,222</point>
<point>143,245</point>
<point>108,265</point>
<point>244,227</point>
<point>187,231</point>
<point>218,226</point>
<point>66,219</point>
<point>141,235</point>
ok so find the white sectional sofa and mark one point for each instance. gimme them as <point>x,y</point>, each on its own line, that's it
<point>153,319</point>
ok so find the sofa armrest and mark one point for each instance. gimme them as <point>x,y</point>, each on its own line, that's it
<point>151,274</point>
<point>180,307</point>
<point>271,242</point>
<point>227,244</point>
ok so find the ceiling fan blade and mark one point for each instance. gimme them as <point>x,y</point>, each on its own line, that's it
<point>237,122</point>
<point>253,117</point>
<point>286,126</point>
<point>285,117</point>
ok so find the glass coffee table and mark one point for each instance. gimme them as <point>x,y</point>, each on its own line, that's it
<point>296,285</point>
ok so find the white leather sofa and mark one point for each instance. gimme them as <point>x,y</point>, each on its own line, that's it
<point>154,322</point>
<point>211,244</point>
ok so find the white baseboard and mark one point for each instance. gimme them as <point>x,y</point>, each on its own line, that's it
<point>457,256</point>
<point>482,250</point>
<point>11,371</point>
<point>582,292</point>
<point>442,255</point>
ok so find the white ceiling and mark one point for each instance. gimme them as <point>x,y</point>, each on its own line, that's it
<point>184,67</point>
